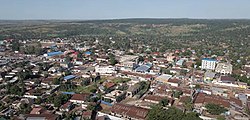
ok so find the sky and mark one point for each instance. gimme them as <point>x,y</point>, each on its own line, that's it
<point>119,9</point>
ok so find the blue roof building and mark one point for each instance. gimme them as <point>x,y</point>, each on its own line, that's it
<point>106,103</point>
<point>208,64</point>
<point>69,77</point>
<point>54,53</point>
<point>87,53</point>
<point>68,93</point>
<point>209,59</point>
<point>180,62</point>
<point>144,68</point>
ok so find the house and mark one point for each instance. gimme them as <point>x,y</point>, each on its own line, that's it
<point>180,62</point>
<point>66,107</point>
<point>209,75</point>
<point>112,96</point>
<point>163,78</point>
<point>224,68</point>
<point>38,110</point>
<point>227,79</point>
<point>105,70</point>
<point>49,116</point>
<point>47,81</point>
<point>246,70</point>
<point>156,99</point>
<point>219,91</point>
<point>79,98</point>
<point>109,86</point>
<point>201,99</point>
<point>129,111</point>
<point>174,82</point>
<point>51,54</point>
<point>128,66</point>
<point>132,90</point>
<point>230,82</point>
<point>143,68</point>
<point>208,64</point>
<point>69,77</point>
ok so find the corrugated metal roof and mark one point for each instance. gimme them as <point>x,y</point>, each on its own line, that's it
<point>69,77</point>
<point>54,53</point>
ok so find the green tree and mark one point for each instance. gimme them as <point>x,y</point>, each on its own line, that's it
<point>94,107</point>
<point>25,108</point>
<point>177,94</point>
<point>38,100</point>
<point>56,81</point>
<point>191,116</point>
<point>156,113</point>
<point>188,104</point>
<point>215,109</point>
<point>15,46</point>
<point>140,59</point>
<point>164,102</point>
<point>112,59</point>
<point>15,89</point>
<point>221,117</point>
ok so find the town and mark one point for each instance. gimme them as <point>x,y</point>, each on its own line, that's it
<point>64,79</point>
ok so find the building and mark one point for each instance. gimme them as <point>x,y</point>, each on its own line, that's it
<point>174,82</point>
<point>180,62</point>
<point>69,77</point>
<point>156,99</point>
<point>163,78</point>
<point>128,66</point>
<point>209,76</point>
<point>103,70</point>
<point>79,98</point>
<point>50,54</point>
<point>144,68</point>
<point>224,68</point>
<point>132,90</point>
<point>208,64</point>
<point>129,111</point>
<point>202,99</point>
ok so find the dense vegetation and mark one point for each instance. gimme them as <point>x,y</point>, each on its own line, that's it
<point>215,109</point>
<point>159,113</point>
<point>207,37</point>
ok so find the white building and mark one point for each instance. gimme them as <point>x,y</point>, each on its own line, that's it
<point>208,64</point>
<point>105,70</point>
<point>224,68</point>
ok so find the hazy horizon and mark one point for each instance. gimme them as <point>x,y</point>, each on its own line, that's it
<point>120,9</point>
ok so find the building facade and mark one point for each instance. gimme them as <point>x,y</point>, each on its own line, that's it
<point>208,64</point>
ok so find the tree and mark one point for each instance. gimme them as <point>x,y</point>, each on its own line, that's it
<point>25,108</point>
<point>56,81</point>
<point>215,109</point>
<point>164,102</point>
<point>156,113</point>
<point>197,86</point>
<point>140,59</point>
<point>188,104</point>
<point>191,116</point>
<point>15,46</point>
<point>112,59</point>
<point>94,107</point>
<point>15,90</point>
<point>221,117</point>
<point>38,100</point>
<point>86,82</point>
<point>177,94</point>
<point>58,100</point>
<point>174,114</point>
